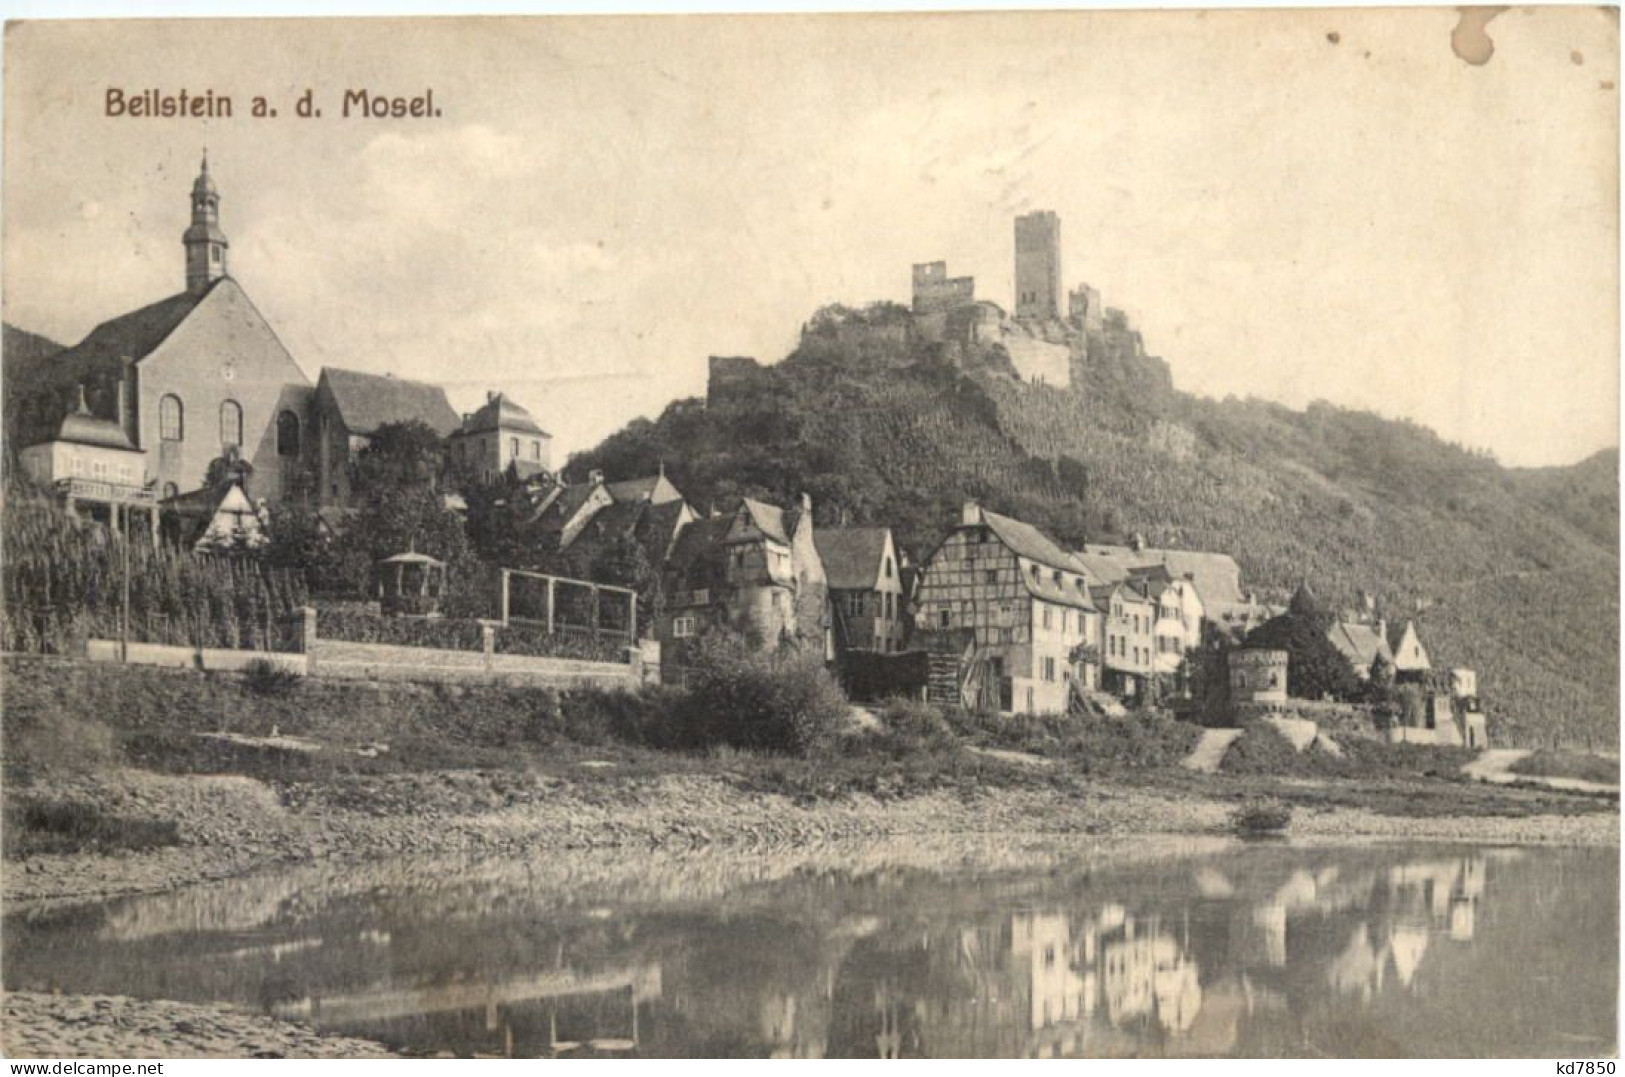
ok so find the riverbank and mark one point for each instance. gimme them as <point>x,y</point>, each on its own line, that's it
<point>227,826</point>
<point>102,1026</point>
<point>127,780</point>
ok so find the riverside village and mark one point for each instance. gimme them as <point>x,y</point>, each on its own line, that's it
<point>354,724</point>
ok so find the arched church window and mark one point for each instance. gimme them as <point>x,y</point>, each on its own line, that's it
<point>287,434</point>
<point>171,418</point>
<point>231,424</point>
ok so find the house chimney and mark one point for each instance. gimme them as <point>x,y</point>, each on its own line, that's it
<point>595,477</point>
<point>490,396</point>
<point>971,514</point>
<point>1382,628</point>
<point>1137,543</point>
<point>806,502</point>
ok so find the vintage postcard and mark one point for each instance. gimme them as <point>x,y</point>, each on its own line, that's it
<point>921,535</point>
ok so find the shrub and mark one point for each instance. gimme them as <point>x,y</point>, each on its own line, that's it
<point>599,715</point>
<point>1141,740</point>
<point>263,677</point>
<point>441,633</point>
<point>1561,764</point>
<point>52,737</point>
<point>1260,817</point>
<point>909,727</point>
<point>778,702</point>
<point>73,826</point>
<point>538,642</point>
<point>1262,749</point>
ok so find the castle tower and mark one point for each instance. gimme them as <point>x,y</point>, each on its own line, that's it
<point>204,241</point>
<point>1038,265</point>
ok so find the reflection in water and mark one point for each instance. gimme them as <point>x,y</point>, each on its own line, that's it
<point>1257,951</point>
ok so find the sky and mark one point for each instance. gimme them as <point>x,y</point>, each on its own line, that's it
<point>1295,205</point>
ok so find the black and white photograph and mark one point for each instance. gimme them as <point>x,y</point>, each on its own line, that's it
<point>894,534</point>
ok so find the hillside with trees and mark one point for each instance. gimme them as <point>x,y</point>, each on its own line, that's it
<point>1505,571</point>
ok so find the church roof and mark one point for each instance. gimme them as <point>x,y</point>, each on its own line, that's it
<point>134,335</point>
<point>368,401</point>
<point>501,413</point>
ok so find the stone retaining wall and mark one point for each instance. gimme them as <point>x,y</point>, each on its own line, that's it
<point>206,658</point>
<point>388,662</point>
<point>391,662</point>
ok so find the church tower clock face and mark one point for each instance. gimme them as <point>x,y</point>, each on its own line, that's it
<point>228,370</point>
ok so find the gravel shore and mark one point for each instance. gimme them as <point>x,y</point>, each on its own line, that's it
<point>233,825</point>
<point>99,1026</point>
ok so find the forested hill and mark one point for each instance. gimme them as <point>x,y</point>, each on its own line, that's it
<point>20,348</point>
<point>1513,573</point>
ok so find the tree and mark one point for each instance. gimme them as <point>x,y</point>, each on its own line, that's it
<point>501,521</point>
<point>1315,667</point>
<point>1380,685</point>
<point>227,468</point>
<point>623,562</point>
<point>398,456</point>
<point>297,541</point>
<point>402,509</point>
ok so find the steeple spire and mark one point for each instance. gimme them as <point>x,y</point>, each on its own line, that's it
<point>205,243</point>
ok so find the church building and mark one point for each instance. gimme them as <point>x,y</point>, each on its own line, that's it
<point>184,381</point>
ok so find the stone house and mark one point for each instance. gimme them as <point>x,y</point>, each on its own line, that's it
<point>349,408</point>
<point>754,569</point>
<point>865,588</point>
<point>1129,636</point>
<point>1180,616</point>
<point>1024,601</point>
<point>184,379</point>
<point>502,434</point>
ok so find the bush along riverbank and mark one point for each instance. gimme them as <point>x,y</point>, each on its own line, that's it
<point>124,779</point>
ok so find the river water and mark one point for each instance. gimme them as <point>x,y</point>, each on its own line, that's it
<point>1211,949</point>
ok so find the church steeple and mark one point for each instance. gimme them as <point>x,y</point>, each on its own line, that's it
<point>204,241</point>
